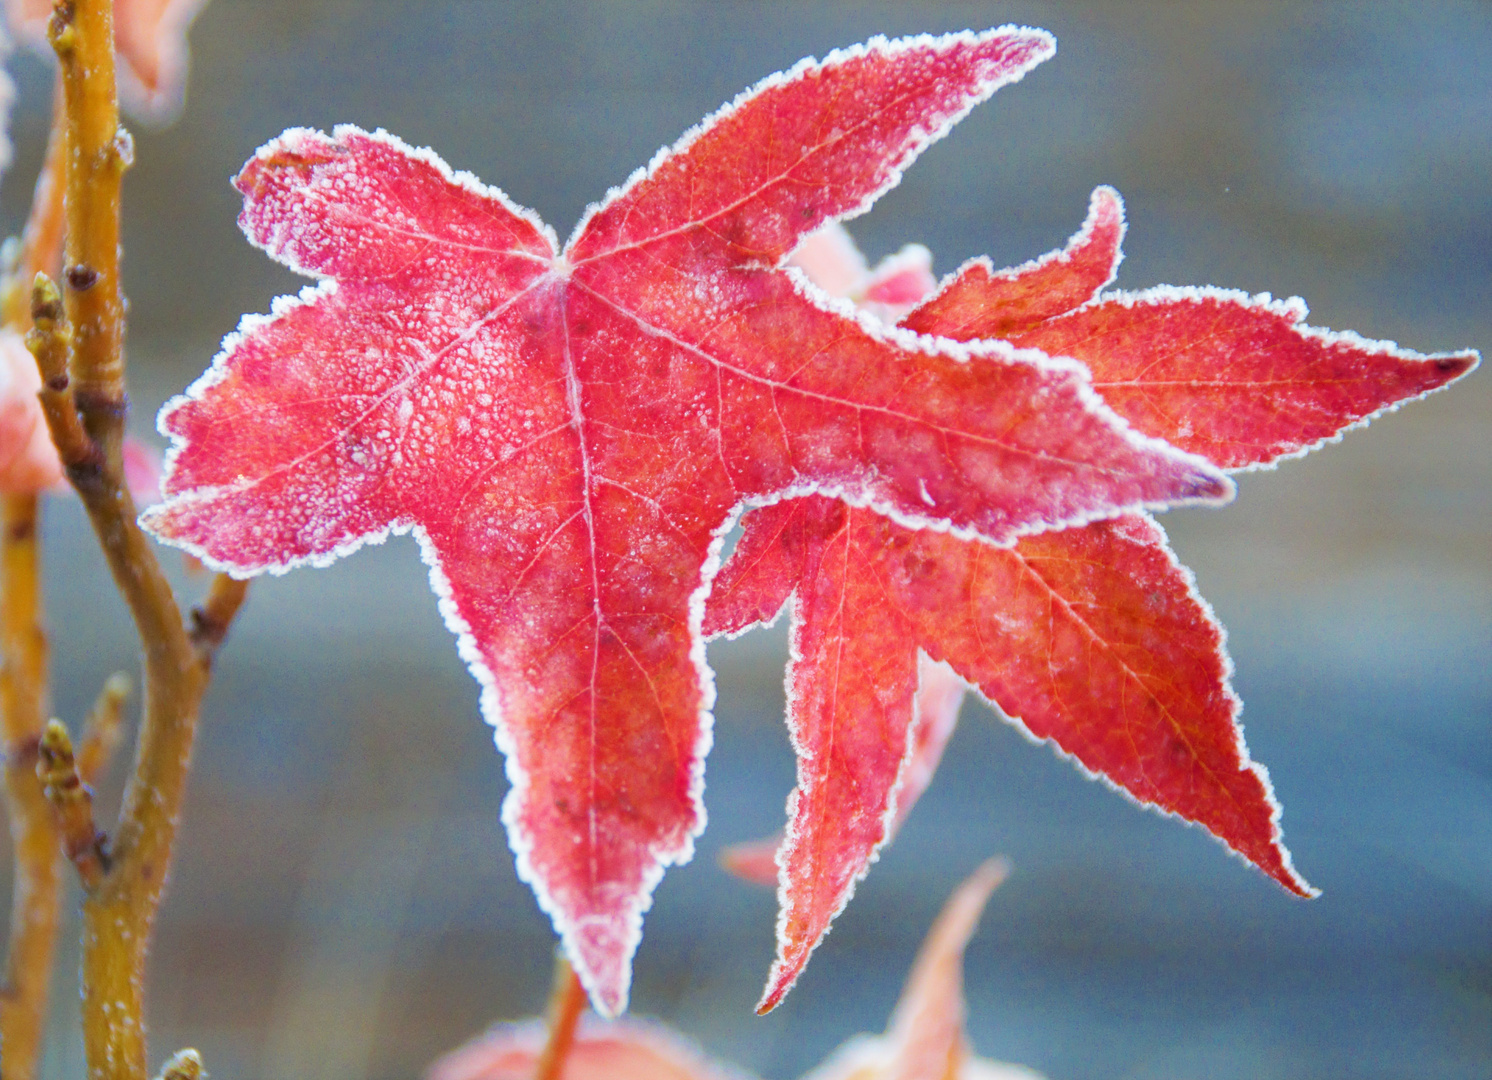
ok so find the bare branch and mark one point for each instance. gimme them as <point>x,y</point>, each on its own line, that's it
<point>565,1006</point>
<point>119,912</point>
<point>36,887</point>
<point>72,800</point>
<point>212,617</point>
<point>105,727</point>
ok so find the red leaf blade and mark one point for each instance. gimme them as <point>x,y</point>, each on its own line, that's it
<point>849,716</point>
<point>980,302</point>
<point>370,209</point>
<point>820,141</point>
<point>1096,640</point>
<point>1239,380</point>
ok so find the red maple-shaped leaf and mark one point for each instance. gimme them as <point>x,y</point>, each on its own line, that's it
<point>569,433</point>
<point>150,37</point>
<point>1092,637</point>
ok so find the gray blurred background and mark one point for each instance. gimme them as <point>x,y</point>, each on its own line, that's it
<point>344,904</point>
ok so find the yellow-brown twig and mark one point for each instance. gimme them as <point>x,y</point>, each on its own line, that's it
<point>119,909</point>
<point>50,341</point>
<point>33,830</point>
<point>212,617</point>
<point>36,885</point>
<point>105,726</point>
<point>565,1006</point>
<point>72,801</point>
<point>98,152</point>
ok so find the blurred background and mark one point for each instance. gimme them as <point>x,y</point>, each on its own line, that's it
<point>344,903</point>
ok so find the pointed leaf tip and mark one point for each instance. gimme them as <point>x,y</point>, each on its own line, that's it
<point>453,376</point>
<point>839,132</point>
<point>981,302</point>
<point>1453,366</point>
<point>602,960</point>
<point>1239,380</point>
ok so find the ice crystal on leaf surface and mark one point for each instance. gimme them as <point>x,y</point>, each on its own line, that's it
<point>571,431</point>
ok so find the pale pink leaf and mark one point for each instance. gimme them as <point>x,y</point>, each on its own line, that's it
<point>613,1050</point>
<point>926,1039</point>
<point>28,461</point>
<point>150,37</point>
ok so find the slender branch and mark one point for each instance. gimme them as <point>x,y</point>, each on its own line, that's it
<point>50,341</point>
<point>565,1006</point>
<point>72,800</point>
<point>212,617</point>
<point>105,726</point>
<point>36,886</point>
<point>37,879</point>
<point>119,909</point>
<point>98,151</point>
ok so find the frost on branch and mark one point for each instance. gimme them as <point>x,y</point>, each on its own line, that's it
<point>570,432</point>
<point>1093,637</point>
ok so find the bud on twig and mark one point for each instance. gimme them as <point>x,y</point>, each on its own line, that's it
<point>184,1065</point>
<point>72,801</point>
<point>51,342</point>
<point>105,724</point>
